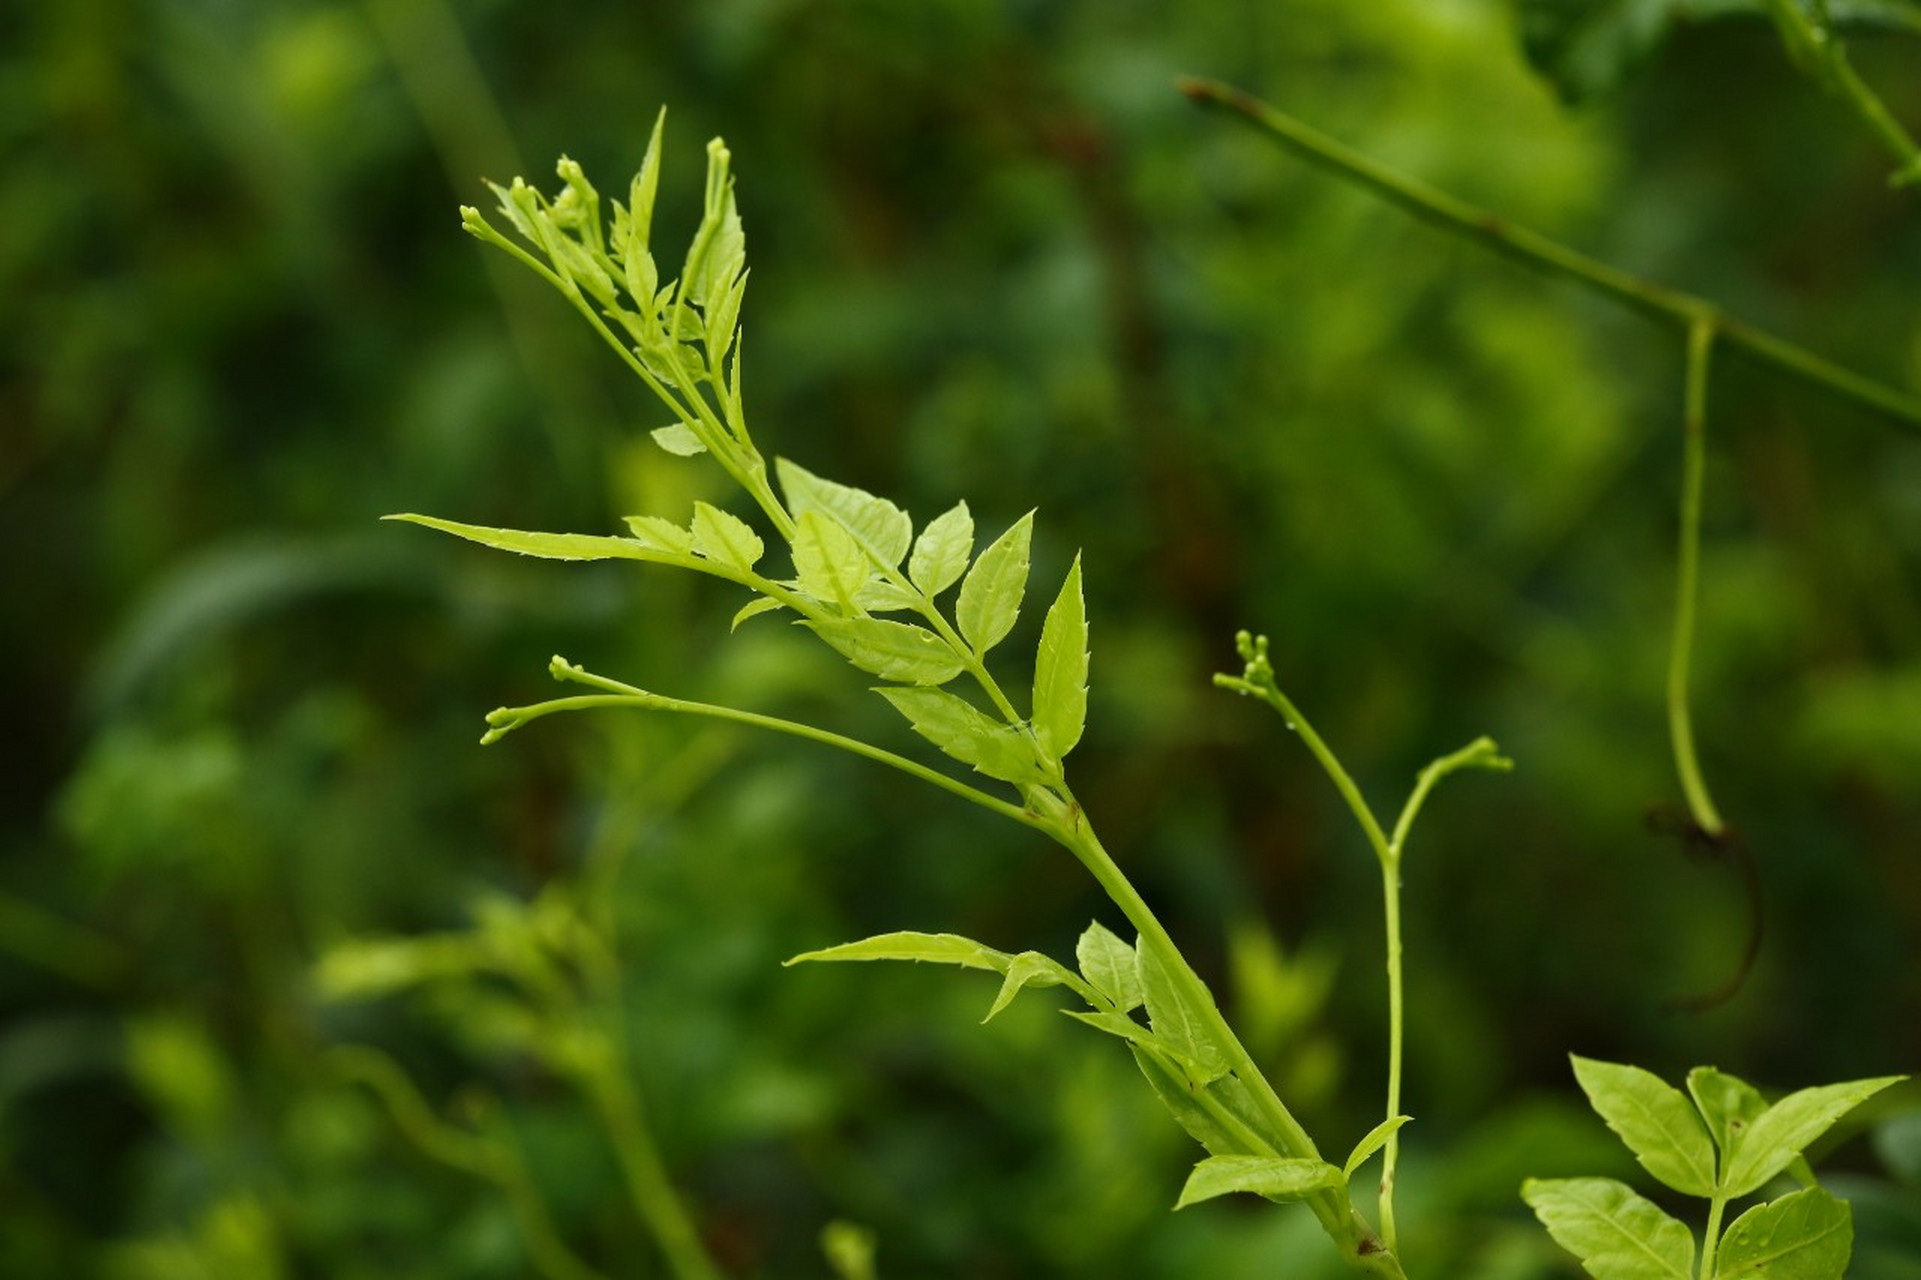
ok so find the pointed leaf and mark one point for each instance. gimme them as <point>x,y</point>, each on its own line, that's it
<point>662,535</point>
<point>1276,1177</point>
<point>1031,969</point>
<point>891,650</point>
<point>932,948</point>
<point>831,565</point>
<point>965,733</point>
<point>877,524</point>
<point>678,439</point>
<point>990,595</point>
<point>1728,1104</point>
<point>1804,1236</point>
<point>548,546</point>
<point>1173,1015</point>
<point>1060,670</point>
<point>1616,1234</point>
<point>725,538</point>
<point>877,595</point>
<point>941,555</point>
<point>753,609</point>
<point>1376,1139</point>
<point>1785,1129</point>
<point>643,276</point>
<point>1204,1124</point>
<point>1655,1120</point>
<point>1119,1024</point>
<point>1110,965</point>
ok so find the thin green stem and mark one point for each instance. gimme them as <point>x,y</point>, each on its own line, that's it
<point>506,719</point>
<point>607,1082</point>
<point>1711,1243</point>
<point>1391,1152</point>
<point>1826,58</point>
<point>1543,254</point>
<point>1680,654</point>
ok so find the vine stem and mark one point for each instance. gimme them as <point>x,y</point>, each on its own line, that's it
<point>1687,581</point>
<point>1826,58</point>
<point>1535,250</point>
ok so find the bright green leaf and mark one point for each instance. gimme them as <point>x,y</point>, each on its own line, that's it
<point>943,550</point>
<point>1204,1123</point>
<point>1376,1139</point>
<point>1727,1103</point>
<point>1060,670</point>
<point>877,595</point>
<point>753,609</point>
<point>1031,969</point>
<point>643,276</point>
<point>719,250</point>
<point>831,565</point>
<point>1173,1015</point>
<point>965,733</point>
<point>1804,1236</point>
<point>1119,1024</point>
<point>1785,1129</point>
<point>891,650</point>
<point>1276,1177</point>
<point>679,440</point>
<point>725,538</point>
<point>662,535</point>
<point>990,595</point>
<point>1616,1234</point>
<point>1655,1120</point>
<point>932,948</point>
<point>1110,965</point>
<point>548,546</point>
<point>877,524</point>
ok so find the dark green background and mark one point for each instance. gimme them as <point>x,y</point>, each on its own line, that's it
<point>996,256</point>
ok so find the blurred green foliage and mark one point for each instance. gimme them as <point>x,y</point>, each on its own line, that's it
<point>997,256</point>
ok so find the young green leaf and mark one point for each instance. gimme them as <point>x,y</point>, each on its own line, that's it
<point>1110,965</point>
<point>990,595</point>
<point>725,538</point>
<point>1205,1124</point>
<point>1276,1177</point>
<point>932,948</point>
<point>679,439</point>
<point>943,550</point>
<point>877,524</point>
<point>831,565</point>
<point>548,546</point>
<point>661,535</point>
<point>1655,1120</point>
<point>1727,1103</point>
<point>891,650</point>
<point>719,250</point>
<point>1785,1129</point>
<point>877,595</point>
<point>1616,1234</point>
<point>1172,1015</point>
<point>965,733</point>
<point>1032,969</point>
<point>642,275</point>
<point>1376,1139</point>
<point>1060,670</point>
<point>1807,1235</point>
<point>753,609</point>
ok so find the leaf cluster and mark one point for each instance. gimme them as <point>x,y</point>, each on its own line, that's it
<point>1721,1141</point>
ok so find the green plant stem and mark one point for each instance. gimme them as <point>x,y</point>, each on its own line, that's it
<point>1687,585</point>
<point>1711,1243</point>
<point>1826,58</point>
<point>608,1083</point>
<point>1543,254</point>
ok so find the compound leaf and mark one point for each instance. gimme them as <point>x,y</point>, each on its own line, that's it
<point>965,733</point>
<point>1807,1235</point>
<point>1616,1234</point>
<point>831,565</point>
<point>1655,1120</point>
<point>943,550</point>
<point>1276,1177</point>
<point>1728,1104</point>
<point>1060,670</point>
<point>990,595</point>
<point>891,650</point>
